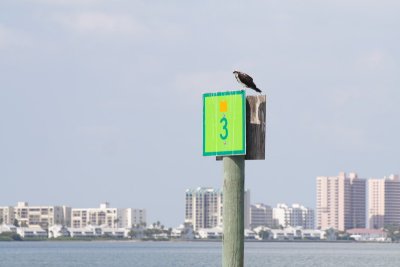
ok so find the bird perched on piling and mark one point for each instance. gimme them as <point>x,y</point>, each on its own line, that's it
<point>246,80</point>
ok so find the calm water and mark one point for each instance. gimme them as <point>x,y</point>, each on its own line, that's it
<point>193,254</point>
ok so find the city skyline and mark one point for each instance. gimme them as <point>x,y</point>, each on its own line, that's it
<point>45,216</point>
<point>102,101</point>
<point>343,202</point>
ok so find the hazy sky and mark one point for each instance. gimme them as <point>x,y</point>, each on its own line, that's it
<point>102,100</point>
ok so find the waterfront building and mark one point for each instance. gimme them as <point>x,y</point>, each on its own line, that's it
<point>7,228</point>
<point>115,232</point>
<point>358,200</point>
<point>294,216</point>
<point>43,216</point>
<point>210,233</point>
<point>204,208</point>
<point>91,231</point>
<point>183,231</point>
<point>131,217</point>
<point>378,235</point>
<point>384,202</point>
<point>260,215</point>
<point>106,216</point>
<point>341,202</point>
<point>87,231</point>
<point>281,215</point>
<point>67,215</point>
<point>301,216</point>
<point>57,231</point>
<point>249,234</point>
<point>6,215</point>
<point>311,234</point>
<point>32,232</point>
<point>392,201</point>
<point>282,234</point>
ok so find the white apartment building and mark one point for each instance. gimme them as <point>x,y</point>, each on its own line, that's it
<point>204,208</point>
<point>106,216</point>
<point>302,216</point>
<point>341,202</point>
<point>293,216</point>
<point>67,216</point>
<point>43,216</point>
<point>384,202</point>
<point>281,215</point>
<point>260,215</point>
<point>7,215</point>
<point>376,203</point>
<point>129,217</point>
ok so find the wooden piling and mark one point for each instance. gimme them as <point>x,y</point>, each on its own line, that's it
<point>233,211</point>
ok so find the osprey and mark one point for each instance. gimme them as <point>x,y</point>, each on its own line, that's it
<point>246,80</point>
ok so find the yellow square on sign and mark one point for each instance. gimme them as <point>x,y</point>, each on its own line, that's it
<point>223,106</point>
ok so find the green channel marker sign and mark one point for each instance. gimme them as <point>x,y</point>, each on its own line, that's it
<point>224,123</point>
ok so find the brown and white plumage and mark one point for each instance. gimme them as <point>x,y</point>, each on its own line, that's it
<point>246,80</point>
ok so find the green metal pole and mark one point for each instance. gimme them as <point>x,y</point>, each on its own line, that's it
<point>233,212</point>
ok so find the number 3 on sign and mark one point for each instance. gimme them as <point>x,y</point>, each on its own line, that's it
<point>224,127</point>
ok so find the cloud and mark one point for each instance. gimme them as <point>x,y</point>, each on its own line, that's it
<point>341,135</point>
<point>101,23</point>
<point>196,83</point>
<point>373,60</point>
<point>345,96</point>
<point>12,38</point>
<point>98,131</point>
<point>66,2</point>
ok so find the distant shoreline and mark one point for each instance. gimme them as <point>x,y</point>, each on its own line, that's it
<point>190,241</point>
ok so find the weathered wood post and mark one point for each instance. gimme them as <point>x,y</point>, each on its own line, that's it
<point>255,127</point>
<point>233,211</point>
<point>234,175</point>
<point>234,149</point>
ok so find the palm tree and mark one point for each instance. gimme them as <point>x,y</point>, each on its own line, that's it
<point>169,232</point>
<point>132,234</point>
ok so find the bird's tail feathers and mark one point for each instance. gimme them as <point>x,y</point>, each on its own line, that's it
<point>258,90</point>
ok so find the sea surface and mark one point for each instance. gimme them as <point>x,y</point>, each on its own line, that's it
<point>193,254</point>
